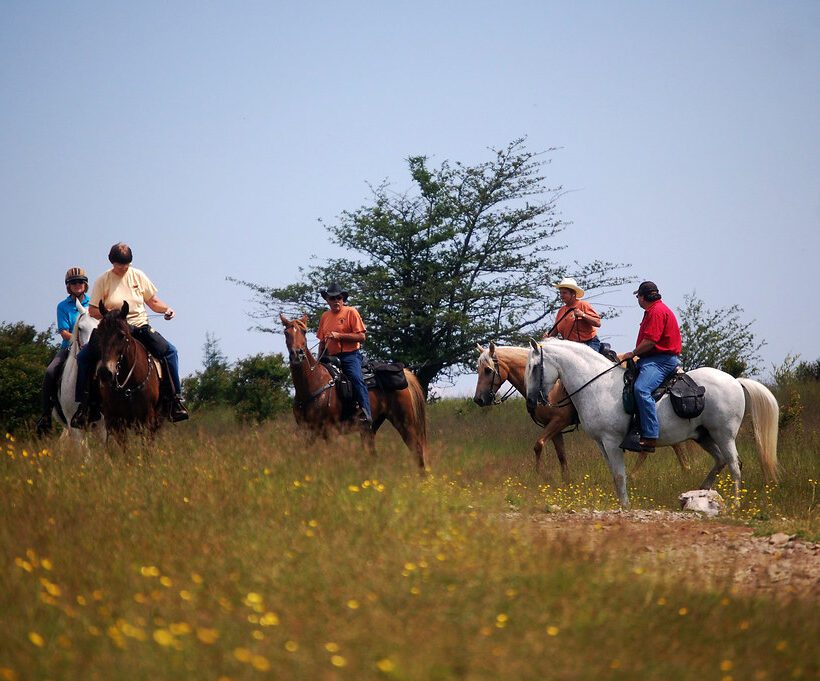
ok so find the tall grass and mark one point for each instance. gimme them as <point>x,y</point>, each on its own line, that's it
<point>232,552</point>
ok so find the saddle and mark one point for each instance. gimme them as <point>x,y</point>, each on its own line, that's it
<point>688,400</point>
<point>687,397</point>
<point>386,376</point>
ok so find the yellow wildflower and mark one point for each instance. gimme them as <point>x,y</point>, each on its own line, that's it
<point>338,661</point>
<point>242,654</point>
<point>207,636</point>
<point>385,665</point>
<point>163,637</point>
<point>260,663</point>
<point>36,639</point>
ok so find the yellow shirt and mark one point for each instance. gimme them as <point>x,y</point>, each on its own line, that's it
<point>134,287</point>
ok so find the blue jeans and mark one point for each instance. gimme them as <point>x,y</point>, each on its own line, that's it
<point>352,367</point>
<point>653,370</point>
<point>594,343</point>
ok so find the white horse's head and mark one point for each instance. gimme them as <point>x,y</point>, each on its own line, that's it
<point>84,325</point>
<point>540,375</point>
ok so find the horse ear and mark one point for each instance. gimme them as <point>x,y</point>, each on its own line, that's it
<point>285,321</point>
<point>103,309</point>
<point>124,309</point>
<point>479,348</point>
<point>79,306</point>
<point>534,344</point>
<point>304,319</point>
<point>492,348</point>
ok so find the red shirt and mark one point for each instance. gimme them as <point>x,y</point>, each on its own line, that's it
<point>661,327</point>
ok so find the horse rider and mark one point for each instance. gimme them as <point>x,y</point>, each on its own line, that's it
<point>76,284</point>
<point>126,284</point>
<point>576,320</point>
<point>658,348</point>
<point>341,333</point>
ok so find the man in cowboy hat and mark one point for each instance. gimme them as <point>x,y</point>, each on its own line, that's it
<point>76,284</point>
<point>658,347</point>
<point>341,333</point>
<point>576,320</point>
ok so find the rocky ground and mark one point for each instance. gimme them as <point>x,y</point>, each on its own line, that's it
<point>696,549</point>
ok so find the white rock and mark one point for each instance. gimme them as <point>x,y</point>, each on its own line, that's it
<point>702,500</point>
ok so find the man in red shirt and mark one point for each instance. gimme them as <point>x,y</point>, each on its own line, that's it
<point>657,347</point>
<point>341,332</point>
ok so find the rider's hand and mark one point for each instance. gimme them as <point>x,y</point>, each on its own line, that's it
<point>169,313</point>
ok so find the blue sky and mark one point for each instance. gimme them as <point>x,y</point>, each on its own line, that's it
<point>213,137</point>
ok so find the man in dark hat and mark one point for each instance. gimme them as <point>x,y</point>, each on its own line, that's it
<point>341,333</point>
<point>658,347</point>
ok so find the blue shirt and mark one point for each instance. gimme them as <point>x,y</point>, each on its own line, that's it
<point>67,314</point>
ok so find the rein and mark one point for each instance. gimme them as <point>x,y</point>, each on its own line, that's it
<point>566,400</point>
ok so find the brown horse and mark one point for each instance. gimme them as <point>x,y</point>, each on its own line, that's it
<point>319,407</point>
<point>129,378</point>
<point>498,364</point>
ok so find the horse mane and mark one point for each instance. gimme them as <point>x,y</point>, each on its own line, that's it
<point>581,348</point>
<point>503,352</point>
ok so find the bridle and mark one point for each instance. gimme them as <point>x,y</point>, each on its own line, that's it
<point>297,358</point>
<point>493,390</point>
<point>121,387</point>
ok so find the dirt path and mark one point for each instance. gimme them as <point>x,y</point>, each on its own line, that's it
<point>687,544</point>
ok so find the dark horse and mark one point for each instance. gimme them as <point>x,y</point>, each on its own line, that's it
<point>129,378</point>
<point>319,407</point>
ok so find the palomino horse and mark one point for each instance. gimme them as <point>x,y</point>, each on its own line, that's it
<point>318,406</point>
<point>129,378</point>
<point>83,328</point>
<point>498,364</point>
<point>596,386</point>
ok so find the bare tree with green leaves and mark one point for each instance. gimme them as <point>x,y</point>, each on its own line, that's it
<point>718,338</point>
<point>466,255</point>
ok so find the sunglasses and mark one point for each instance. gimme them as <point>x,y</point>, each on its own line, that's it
<point>334,297</point>
<point>76,281</point>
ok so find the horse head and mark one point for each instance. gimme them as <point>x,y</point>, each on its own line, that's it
<point>295,338</point>
<point>540,374</point>
<point>85,324</point>
<point>114,337</point>
<point>491,375</point>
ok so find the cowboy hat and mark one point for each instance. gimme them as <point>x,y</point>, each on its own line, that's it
<point>333,290</point>
<point>572,285</point>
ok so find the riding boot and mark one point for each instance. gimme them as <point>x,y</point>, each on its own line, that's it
<point>176,407</point>
<point>88,410</point>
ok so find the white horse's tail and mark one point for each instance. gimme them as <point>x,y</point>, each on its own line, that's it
<point>765,414</point>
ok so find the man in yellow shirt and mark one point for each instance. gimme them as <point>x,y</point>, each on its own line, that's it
<point>121,284</point>
<point>341,332</point>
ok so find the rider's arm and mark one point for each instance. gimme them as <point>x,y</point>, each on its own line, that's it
<point>94,311</point>
<point>65,335</point>
<point>158,306</point>
<point>641,349</point>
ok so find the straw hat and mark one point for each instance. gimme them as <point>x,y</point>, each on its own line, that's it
<point>570,283</point>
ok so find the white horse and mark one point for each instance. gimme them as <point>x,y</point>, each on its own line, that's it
<point>599,386</point>
<point>83,327</point>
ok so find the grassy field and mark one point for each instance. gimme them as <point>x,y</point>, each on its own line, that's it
<point>232,552</point>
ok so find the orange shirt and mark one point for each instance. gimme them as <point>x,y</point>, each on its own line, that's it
<point>346,320</point>
<point>576,329</point>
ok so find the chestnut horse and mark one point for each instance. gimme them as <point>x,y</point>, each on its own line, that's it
<point>129,378</point>
<point>498,364</point>
<point>319,407</point>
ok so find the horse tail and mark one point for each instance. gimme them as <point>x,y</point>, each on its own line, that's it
<point>419,406</point>
<point>765,414</point>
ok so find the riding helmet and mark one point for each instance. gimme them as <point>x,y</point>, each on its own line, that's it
<point>75,274</point>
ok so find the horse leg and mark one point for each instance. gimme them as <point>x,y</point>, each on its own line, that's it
<point>706,441</point>
<point>558,443</point>
<point>683,457</point>
<point>614,457</point>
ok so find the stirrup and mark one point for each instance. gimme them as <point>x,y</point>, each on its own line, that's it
<point>178,410</point>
